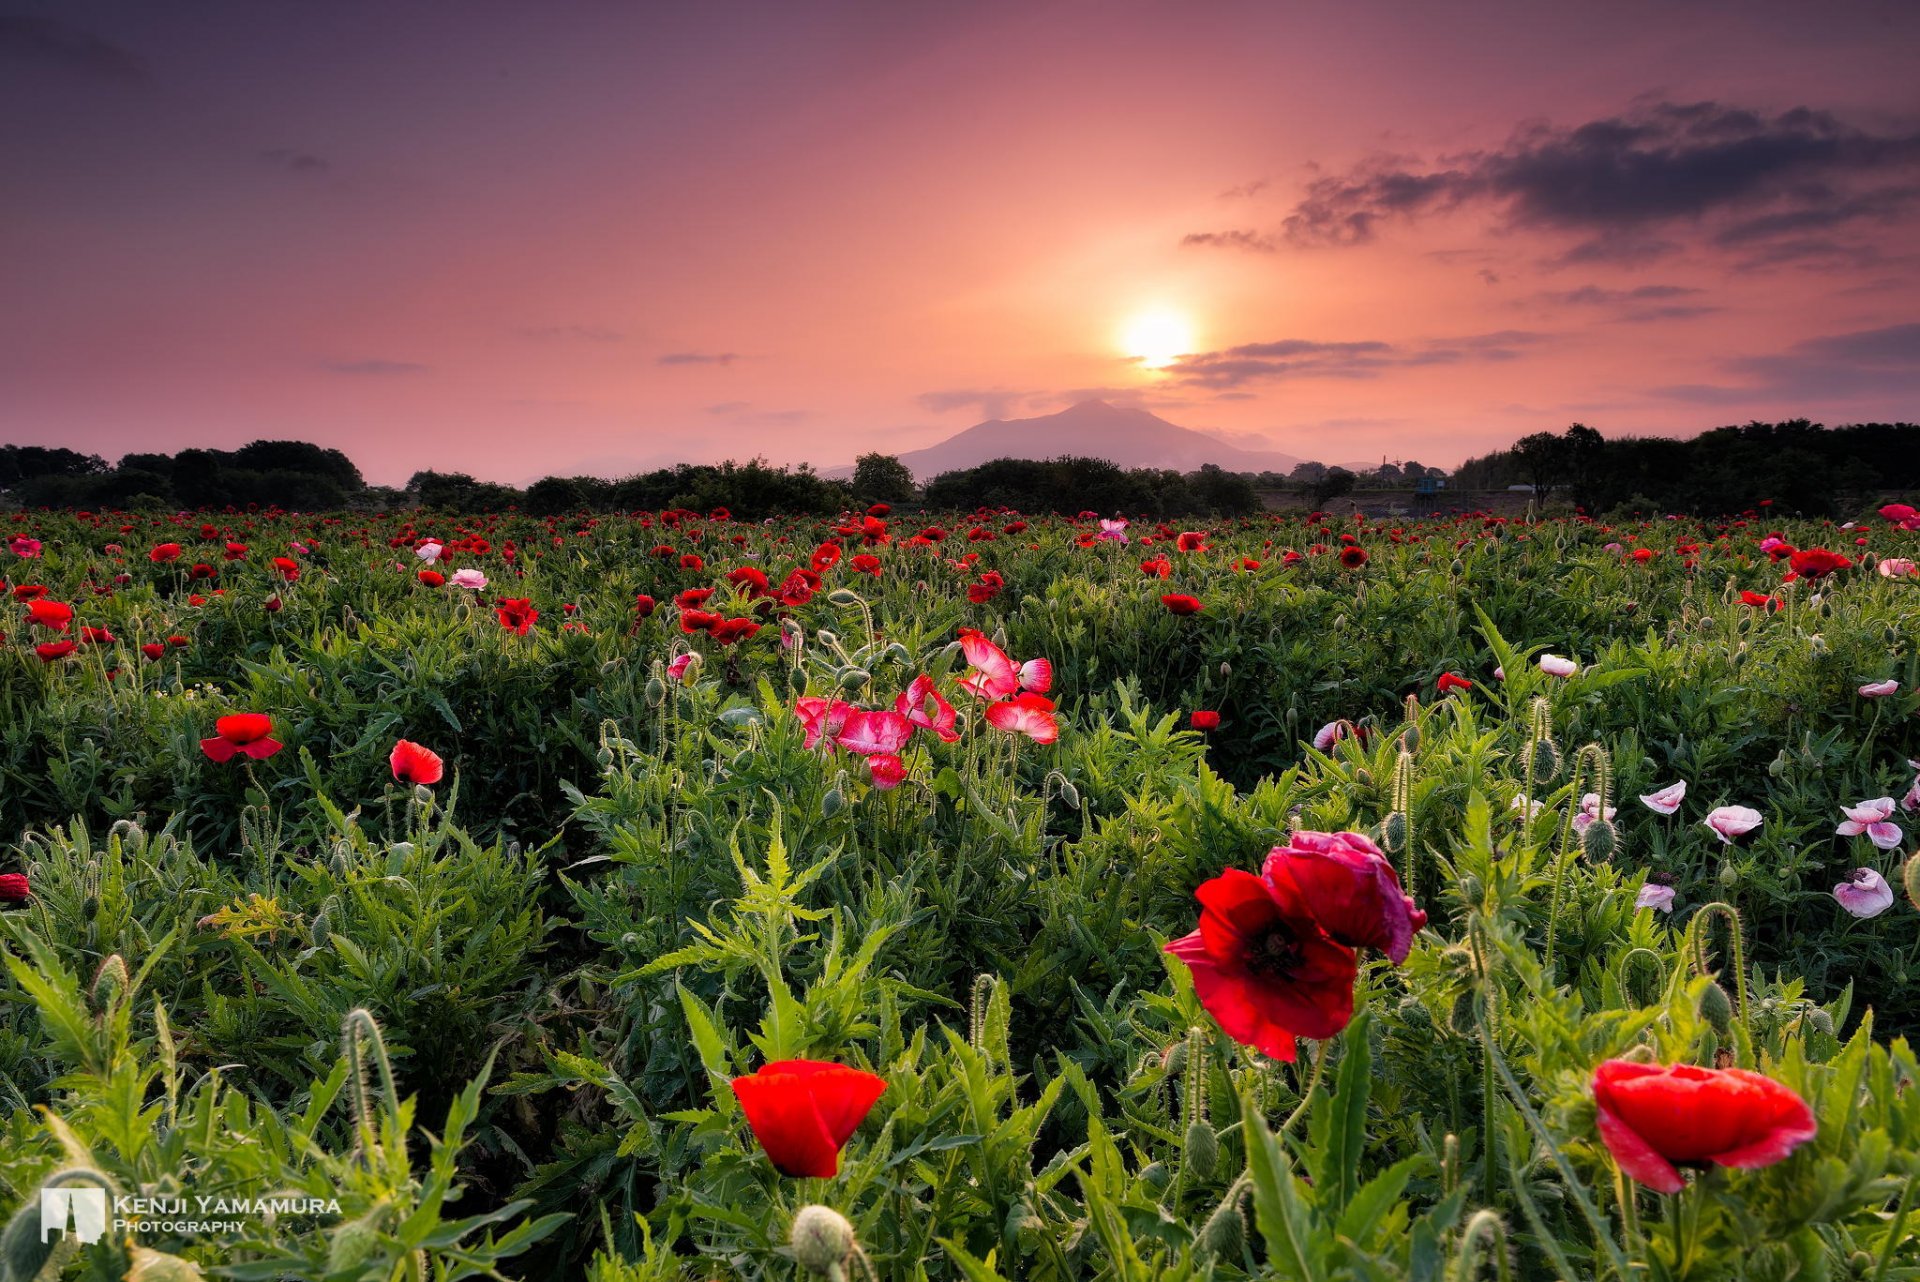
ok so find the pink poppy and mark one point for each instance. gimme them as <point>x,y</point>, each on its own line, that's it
<point>1590,811</point>
<point>22,546</point>
<point>1655,896</point>
<point>471,579</point>
<point>868,733</point>
<point>1667,800</point>
<point>1555,666</point>
<point>822,718</point>
<point>1871,820</point>
<point>913,706</point>
<point>1879,689</point>
<point>1897,567</point>
<point>886,770</point>
<point>1028,714</point>
<point>1864,893</point>
<point>1729,822</point>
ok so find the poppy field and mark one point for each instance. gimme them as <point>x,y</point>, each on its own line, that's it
<point>973,896</point>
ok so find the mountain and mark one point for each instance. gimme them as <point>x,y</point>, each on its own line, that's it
<point>1091,429</point>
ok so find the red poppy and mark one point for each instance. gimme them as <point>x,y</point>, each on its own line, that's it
<point>14,888</point>
<point>164,552</point>
<point>95,636</point>
<point>1353,557</point>
<point>1643,555</point>
<point>727,631</point>
<point>692,561</point>
<point>413,763</point>
<point>912,704</point>
<point>1191,541</point>
<point>50,651</point>
<point>804,1111</point>
<point>50,614</point>
<point>1274,959</point>
<point>432,578</point>
<point>1204,720</point>
<point>1760,600</point>
<point>1817,563</point>
<point>1653,1118</point>
<point>1448,682</point>
<point>153,649</point>
<point>1158,568</point>
<point>1027,714</point>
<point>288,568</point>
<point>692,597</point>
<point>243,734</point>
<point>986,588</point>
<point>516,614</point>
<point>886,770</point>
<point>644,605</point>
<point>825,557</point>
<point>1179,603</point>
<point>866,563</point>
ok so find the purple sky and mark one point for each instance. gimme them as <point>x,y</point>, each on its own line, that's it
<point>584,235</point>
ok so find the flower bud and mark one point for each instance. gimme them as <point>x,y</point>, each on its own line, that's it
<point>832,803</point>
<point>1729,876</point>
<point>1910,878</point>
<point>1820,1021</point>
<point>844,597</point>
<point>1224,1235</point>
<point>1201,1153</point>
<point>1716,1008</point>
<point>1070,795</point>
<point>1156,1177</point>
<point>1546,758</point>
<point>822,1239</point>
<point>1393,834</point>
<point>854,678</point>
<point>1600,840</point>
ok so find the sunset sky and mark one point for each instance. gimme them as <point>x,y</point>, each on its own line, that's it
<point>521,237</point>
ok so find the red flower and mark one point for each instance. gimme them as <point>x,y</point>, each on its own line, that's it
<point>1274,960</point>
<point>1760,600</point>
<point>243,734</point>
<point>1654,1117</point>
<point>1027,714</point>
<point>1191,541</point>
<point>164,552</point>
<point>887,771</point>
<point>288,567</point>
<point>1204,720</point>
<point>727,631</point>
<point>1182,604</point>
<point>691,561</point>
<point>825,557</point>
<point>516,614</point>
<point>913,706</point>
<point>413,763</point>
<point>1816,563</point>
<point>95,636</point>
<point>153,649</point>
<point>1448,682</point>
<point>867,563</point>
<point>804,1111</point>
<point>644,605</point>
<point>1353,557</point>
<point>50,651</point>
<point>14,888</point>
<point>50,614</point>
<point>433,578</point>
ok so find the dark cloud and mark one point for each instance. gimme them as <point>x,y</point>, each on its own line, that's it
<point>698,358</point>
<point>1639,305</point>
<point>570,333</point>
<point>49,42</point>
<point>1844,367</point>
<point>1253,241</point>
<point>1306,358</point>
<point>295,161</point>
<point>375,367</point>
<point>1616,179</point>
<point>990,402</point>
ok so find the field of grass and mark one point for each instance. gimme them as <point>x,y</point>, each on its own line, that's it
<point>1024,834</point>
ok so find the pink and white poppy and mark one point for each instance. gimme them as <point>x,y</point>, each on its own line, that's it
<point>1897,567</point>
<point>1864,893</point>
<point>1029,714</point>
<point>1871,820</point>
<point>1526,805</point>
<point>428,551</point>
<point>1590,811</point>
<point>1334,731</point>
<point>886,770</point>
<point>1911,801</point>
<point>677,668</point>
<point>22,546</point>
<point>1556,666</point>
<point>1729,822</point>
<point>1880,689</point>
<point>1113,531</point>
<point>1667,800</point>
<point>868,733</point>
<point>471,579</point>
<point>822,718</point>
<point>994,675</point>
<point>1654,895</point>
<point>913,706</point>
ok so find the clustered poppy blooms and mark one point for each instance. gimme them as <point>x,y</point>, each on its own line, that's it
<point>1275,957</point>
<point>804,1111</point>
<point>1654,1119</point>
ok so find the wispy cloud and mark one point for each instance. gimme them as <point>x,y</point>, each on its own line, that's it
<point>698,358</point>
<point>989,402</point>
<point>1252,241</point>
<point>62,46</point>
<point>374,367</point>
<point>1291,358</point>
<point>1640,305</point>
<point>1849,366</point>
<point>294,161</point>
<point>570,333</point>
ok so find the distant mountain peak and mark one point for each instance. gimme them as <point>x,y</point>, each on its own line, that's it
<point>1126,435</point>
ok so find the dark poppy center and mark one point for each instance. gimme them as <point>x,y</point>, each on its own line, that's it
<point>1275,952</point>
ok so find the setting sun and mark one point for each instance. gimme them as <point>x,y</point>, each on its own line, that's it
<point>1158,338</point>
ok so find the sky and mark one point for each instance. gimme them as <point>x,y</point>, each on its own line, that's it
<point>527,237</point>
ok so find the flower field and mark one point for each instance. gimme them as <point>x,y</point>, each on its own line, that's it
<point>964,896</point>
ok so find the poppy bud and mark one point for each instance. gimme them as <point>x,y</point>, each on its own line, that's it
<point>1226,669</point>
<point>91,907</point>
<point>844,596</point>
<point>1393,834</point>
<point>322,927</point>
<point>148,1265</point>
<point>1729,876</point>
<point>833,803</point>
<point>1817,644</point>
<point>1458,569</point>
<point>1600,839</point>
<point>1413,1013</point>
<point>1820,1021</point>
<point>898,653</point>
<point>854,678</point>
<point>110,981</point>
<point>828,638</point>
<point>1201,1153</point>
<point>1071,795</point>
<point>1461,1018</point>
<point>1910,878</point>
<point>1224,1235</point>
<point>1177,1058</point>
<point>422,795</point>
<point>1716,1008</point>
<point>822,1240</point>
<point>1410,739</point>
<point>341,861</point>
<point>1780,765</point>
<point>1546,758</point>
<point>656,692</point>
<point>1156,1177</point>
<point>1470,890</point>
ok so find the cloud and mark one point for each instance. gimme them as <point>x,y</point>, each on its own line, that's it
<point>375,367</point>
<point>294,161</point>
<point>1639,305</point>
<point>990,402</point>
<point>1252,241</point>
<point>1243,191</point>
<point>729,407</point>
<point>1307,358</point>
<point>570,333</point>
<point>743,410</point>
<point>49,42</point>
<point>1843,367</point>
<point>1616,180</point>
<point>698,358</point>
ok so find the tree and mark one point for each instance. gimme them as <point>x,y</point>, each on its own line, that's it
<point>882,478</point>
<point>1542,458</point>
<point>1334,483</point>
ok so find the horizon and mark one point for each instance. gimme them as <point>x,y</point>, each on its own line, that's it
<point>576,239</point>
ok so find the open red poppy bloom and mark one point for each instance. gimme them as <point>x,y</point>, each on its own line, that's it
<point>413,763</point>
<point>1816,563</point>
<point>49,614</point>
<point>1759,600</point>
<point>516,614</point>
<point>1182,604</point>
<point>1353,557</point>
<point>1202,719</point>
<point>287,567</point>
<point>1653,1118</point>
<point>49,651</point>
<point>244,734</point>
<point>432,578</point>
<point>1449,682</point>
<point>1028,714</point>
<point>804,1111</point>
<point>1274,958</point>
<point>164,552</point>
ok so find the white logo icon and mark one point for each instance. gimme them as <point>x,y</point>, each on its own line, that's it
<point>77,1212</point>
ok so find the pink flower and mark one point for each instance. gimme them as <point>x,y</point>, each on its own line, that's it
<point>1902,515</point>
<point>1331,733</point>
<point>1897,567</point>
<point>886,770</point>
<point>1113,531</point>
<point>470,579</point>
<point>1870,818</point>
<point>1590,811</point>
<point>1864,893</point>
<point>1028,714</point>
<point>1912,800</point>
<point>1729,822</point>
<point>869,733</point>
<point>428,551</point>
<point>1555,666</point>
<point>1880,689</point>
<point>822,718</point>
<point>994,675</point>
<point>913,706</point>
<point>1527,806</point>
<point>677,669</point>
<point>1667,800</point>
<point>21,545</point>
<point>1655,896</point>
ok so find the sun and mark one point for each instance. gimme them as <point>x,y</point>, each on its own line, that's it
<point>1158,338</point>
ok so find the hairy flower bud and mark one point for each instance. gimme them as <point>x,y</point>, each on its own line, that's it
<point>1600,839</point>
<point>1716,1008</point>
<point>1546,758</point>
<point>822,1239</point>
<point>1201,1154</point>
<point>1224,1235</point>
